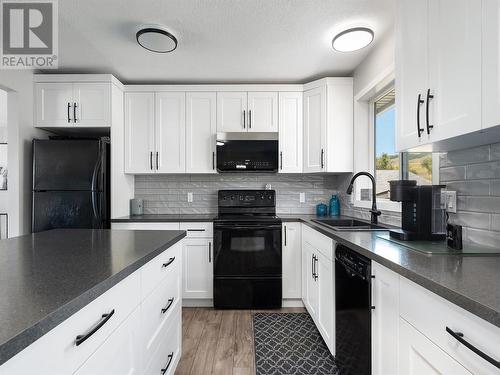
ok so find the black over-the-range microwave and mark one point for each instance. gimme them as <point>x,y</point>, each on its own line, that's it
<point>247,152</point>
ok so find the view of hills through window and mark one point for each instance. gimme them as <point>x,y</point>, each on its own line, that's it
<point>388,162</point>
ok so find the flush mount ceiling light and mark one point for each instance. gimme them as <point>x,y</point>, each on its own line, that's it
<point>352,39</point>
<point>156,38</point>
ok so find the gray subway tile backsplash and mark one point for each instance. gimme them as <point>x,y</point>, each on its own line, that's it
<point>475,175</point>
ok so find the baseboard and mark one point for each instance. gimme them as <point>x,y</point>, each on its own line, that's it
<point>210,303</point>
<point>292,303</point>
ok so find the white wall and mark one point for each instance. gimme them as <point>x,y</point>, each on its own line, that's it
<point>19,85</point>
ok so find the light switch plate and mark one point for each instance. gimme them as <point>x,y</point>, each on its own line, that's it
<point>302,197</point>
<point>190,197</point>
<point>449,200</point>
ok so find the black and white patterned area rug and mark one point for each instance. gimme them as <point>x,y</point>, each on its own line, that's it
<point>290,344</point>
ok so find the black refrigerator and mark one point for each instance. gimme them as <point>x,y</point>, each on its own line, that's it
<point>71,183</point>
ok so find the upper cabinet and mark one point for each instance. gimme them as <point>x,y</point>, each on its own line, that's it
<point>155,132</point>
<point>438,71</point>
<point>72,104</point>
<point>242,111</point>
<point>290,132</point>
<point>328,125</point>
<point>491,63</point>
<point>201,115</point>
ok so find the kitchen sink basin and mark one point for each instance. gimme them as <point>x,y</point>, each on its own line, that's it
<point>349,225</point>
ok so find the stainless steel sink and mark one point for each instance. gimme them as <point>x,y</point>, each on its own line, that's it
<point>349,225</point>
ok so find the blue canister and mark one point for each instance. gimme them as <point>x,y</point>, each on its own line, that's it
<point>321,209</point>
<point>334,206</point>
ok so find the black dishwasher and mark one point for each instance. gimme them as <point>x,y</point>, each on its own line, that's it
<point>353,311</point>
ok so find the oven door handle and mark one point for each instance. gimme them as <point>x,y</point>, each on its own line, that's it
<point>249,227</point>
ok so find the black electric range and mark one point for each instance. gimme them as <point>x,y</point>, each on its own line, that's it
<point>247,250</point>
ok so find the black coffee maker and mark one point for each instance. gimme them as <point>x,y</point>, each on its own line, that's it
<point>422,216</point>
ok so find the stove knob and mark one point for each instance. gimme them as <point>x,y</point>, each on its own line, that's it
<point>269,197</point>
<point>262,197</point>
<point>232,197</point>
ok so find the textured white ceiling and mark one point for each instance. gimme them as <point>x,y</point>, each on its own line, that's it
<point>219,40</point>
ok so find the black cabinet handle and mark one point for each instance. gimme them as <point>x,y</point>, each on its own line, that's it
<point>315,268</point>
<point>157,158</point>
<point>281,160</point>
<point>209,252</point>
<point>420,101</point>
<point>164,370</point>
<point>213,160</point>
<point>459,336</point>
<point>195,230</point>
<point>151,160</point>
<point>105,317</point>
<point>69,106</point>
<point>285,235</point>
<point>168,263</point>
<point>244,119</point>
<point>322,158</point>
<point>169,303</point>
<point>429,97</point>
<point>249,119</point>
<point>312,266</point>
<point>74,112</point>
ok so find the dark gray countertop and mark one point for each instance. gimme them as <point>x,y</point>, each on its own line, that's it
<point>471,282</point>
<point>164,218</point>
<point>48,276</point>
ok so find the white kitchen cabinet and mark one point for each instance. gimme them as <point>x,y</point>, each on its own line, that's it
<point>170,132</point>
<point>419,355</point>
<point>318,279</point>
<point>124,344</point>
<point>438,70</point>
<point>292,260</point>
<point>197,272</point>
<point>314,129</point>
<point>290,132</point>
<point>247,111</point>
<point>72,104</point>
<point>201,128</point>
<point>490,63</point>
<point>385,317</point>
<point>328,125</point>
<point>263,111</point>
<point>155,131</point>
<point>325,282</point>
<point>139,132</point>
<point>231,112</point>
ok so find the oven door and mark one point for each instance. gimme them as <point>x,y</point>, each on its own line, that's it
<point>247,250</point>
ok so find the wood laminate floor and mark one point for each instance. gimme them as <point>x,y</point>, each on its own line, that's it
<point>219,342</point>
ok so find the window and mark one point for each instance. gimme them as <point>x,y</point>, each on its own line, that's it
<point>388,164</point>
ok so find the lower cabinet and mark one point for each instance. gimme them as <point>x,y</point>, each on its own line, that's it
<point>291,260</point>
<point>419,355</point>
<point>385,317</point>
<point>318,282</point>
<point>197,275</point>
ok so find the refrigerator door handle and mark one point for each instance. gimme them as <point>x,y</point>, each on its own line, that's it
<point>95,208</point>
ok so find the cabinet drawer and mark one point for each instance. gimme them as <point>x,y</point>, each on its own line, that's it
<point>57,352</point>
<point>157,310</point>
<point>145,226</point>
<point>167,263</point>
<point>198,229</point>
<point>319,241</point>
<point>124,344</point>
<point>168,353</point>
<point>431,314</point>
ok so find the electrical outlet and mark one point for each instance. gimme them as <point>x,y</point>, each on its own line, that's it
<point>302,197</point>
<point>449,200</point>
<point>190,197</point>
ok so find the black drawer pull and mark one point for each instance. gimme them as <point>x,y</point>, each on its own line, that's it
<point>196,230</point>
<point>170,357</point>
<point>459,336</point>
<point>169,262</point>
<point>169,303</point>
<point>74,113</point>
<point>105,317</point>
